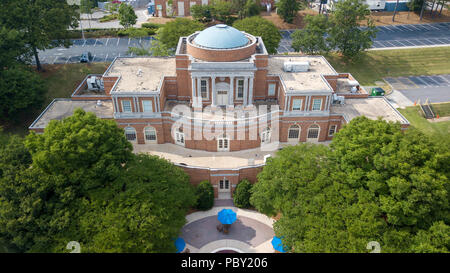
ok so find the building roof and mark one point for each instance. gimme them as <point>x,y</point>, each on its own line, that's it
<point>309,81</point>
<point>221,37</point>
<point>142,73</point>
<point>62,108</point>
<point>371,107</point>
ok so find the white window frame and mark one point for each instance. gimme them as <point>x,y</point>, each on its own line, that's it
<point>179,138</point>
<point>271,89</point>
<point>207,88</point>
<point>293,104</point>
<point>221,144</point>
<point>237,88</point>
<point>313,104</point>
<point>293,128</point>
<point>123,106</point>
<point>128,129</point>
<point>330,129</point>
<point>265,135</point>
<point>150,104</point>
<point>313,127</point>
<point>150,129</point>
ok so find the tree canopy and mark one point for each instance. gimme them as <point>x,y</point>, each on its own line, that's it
<point>80,181</point>
<point>287,9</point>
<point>127,16</point>
<point>374,183</point>
<point>44,24</point>
<point>311,39</point>
<point>259,26</point>
<point>171,32</point>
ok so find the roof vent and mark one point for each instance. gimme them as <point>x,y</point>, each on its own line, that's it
<point>99,103</point>
<point>296,66</point>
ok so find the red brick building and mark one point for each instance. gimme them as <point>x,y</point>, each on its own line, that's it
<point>222,104</point>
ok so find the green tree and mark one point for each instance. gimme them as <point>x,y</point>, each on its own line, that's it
<point>259,26</point>
<point>241,196</point>
<point>345,33</point>
<point>127,16</point>
<point>86,7</point>
<point>311,39</point>
<point>146,215</point>
<point>13,48</point>
<point>205,195</point>
<point>171,32</point>
<point>45,24</point>
<point>375,182</point>
<point>287,9</point>
<point>251,8</point>
<point>20,89</point>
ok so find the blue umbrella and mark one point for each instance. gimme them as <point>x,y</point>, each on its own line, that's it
<point>226,216</point>
<point>278,244</point>
<point>180,244</point>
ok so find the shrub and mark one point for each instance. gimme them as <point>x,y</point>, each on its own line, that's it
<point>109,17</point>
<point>205,195</point>
<point>241,196</point>
<point>151,25</point>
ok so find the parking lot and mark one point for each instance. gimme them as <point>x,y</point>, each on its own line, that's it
<point>102,50</point>
<point>393,36</point>
<point>435,88</point>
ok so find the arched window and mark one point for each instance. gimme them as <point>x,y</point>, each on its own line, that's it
<point>265,135</point>
<point>294,132</point>
<point>313,131</point>
<point>150,134</point>
<point>130,134</point>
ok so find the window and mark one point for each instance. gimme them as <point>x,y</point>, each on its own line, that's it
<point>240,89</point>
<point>130,134</point>
<point>126,106</point>
<point>271,91</point>
<point>204,89</point>
<point>297,104</point>
<point>224,184</point>
<point>223,144</point>
<point>147,106</point>
<point>317,104</point>
<point>179,136</point>
<point>294,132</point>
<point>313,131</point>
<point>150,134</point>
<point>265,136</point>
<point>332,130</point>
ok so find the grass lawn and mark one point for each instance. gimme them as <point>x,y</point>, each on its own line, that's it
<point>61,80</point>
<point>438,129</point>
<point>377,64</point>
<point>441,109</point>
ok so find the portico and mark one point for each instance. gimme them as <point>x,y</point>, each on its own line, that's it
<point>222,89</point>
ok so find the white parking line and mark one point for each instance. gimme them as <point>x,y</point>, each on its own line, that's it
<point>118,42</point>
<point>389,43</point>
<point>96,40</point>
<point>433,27</point>
<point>129,40</point>
<point>424,82</point>
<point>446,80</point>
<point>93,58</point>
<point>68,59</point>
<point>106,57</point>
<point>55,60</point>
<point>84,43</point>
<point>398,41</point>
<point>439,84</point>
<point>107,40</point>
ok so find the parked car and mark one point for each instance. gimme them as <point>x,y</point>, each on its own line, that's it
<point>86,57</point>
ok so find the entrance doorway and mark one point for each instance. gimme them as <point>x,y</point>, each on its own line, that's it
<point>223,144</point>
<point>222,97</point>
<point>224,189</point>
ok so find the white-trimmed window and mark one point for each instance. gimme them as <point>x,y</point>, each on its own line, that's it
<point>265,135</point>
<point>147,106</point>
<point>313,131</point>
<point>240,89</point>
<point>317,104</point>
<point>179,136</point>
<point>150,134</point>
<point>223,144</point>
<point>204,88</point>
<point>332,130</point>
<point>297,104</point>
<point>271,91</point>
<point>130,134</point>
<point>294,132</point>
<point>126,106</point>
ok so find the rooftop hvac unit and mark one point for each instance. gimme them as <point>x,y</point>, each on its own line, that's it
<point>95,83</point>
<point>296,66</point>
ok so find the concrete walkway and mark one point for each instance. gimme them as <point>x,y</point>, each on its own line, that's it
<point>251,233</point>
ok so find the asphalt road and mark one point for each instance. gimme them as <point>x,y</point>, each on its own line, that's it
<point>106,49</point>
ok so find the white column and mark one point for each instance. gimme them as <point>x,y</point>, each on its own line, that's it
<point>231,92</point>
<point>193,90</point>
<point>199,92</point>
<point>245,90</point>
<point>213,91</point>
<point>250,89</point>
